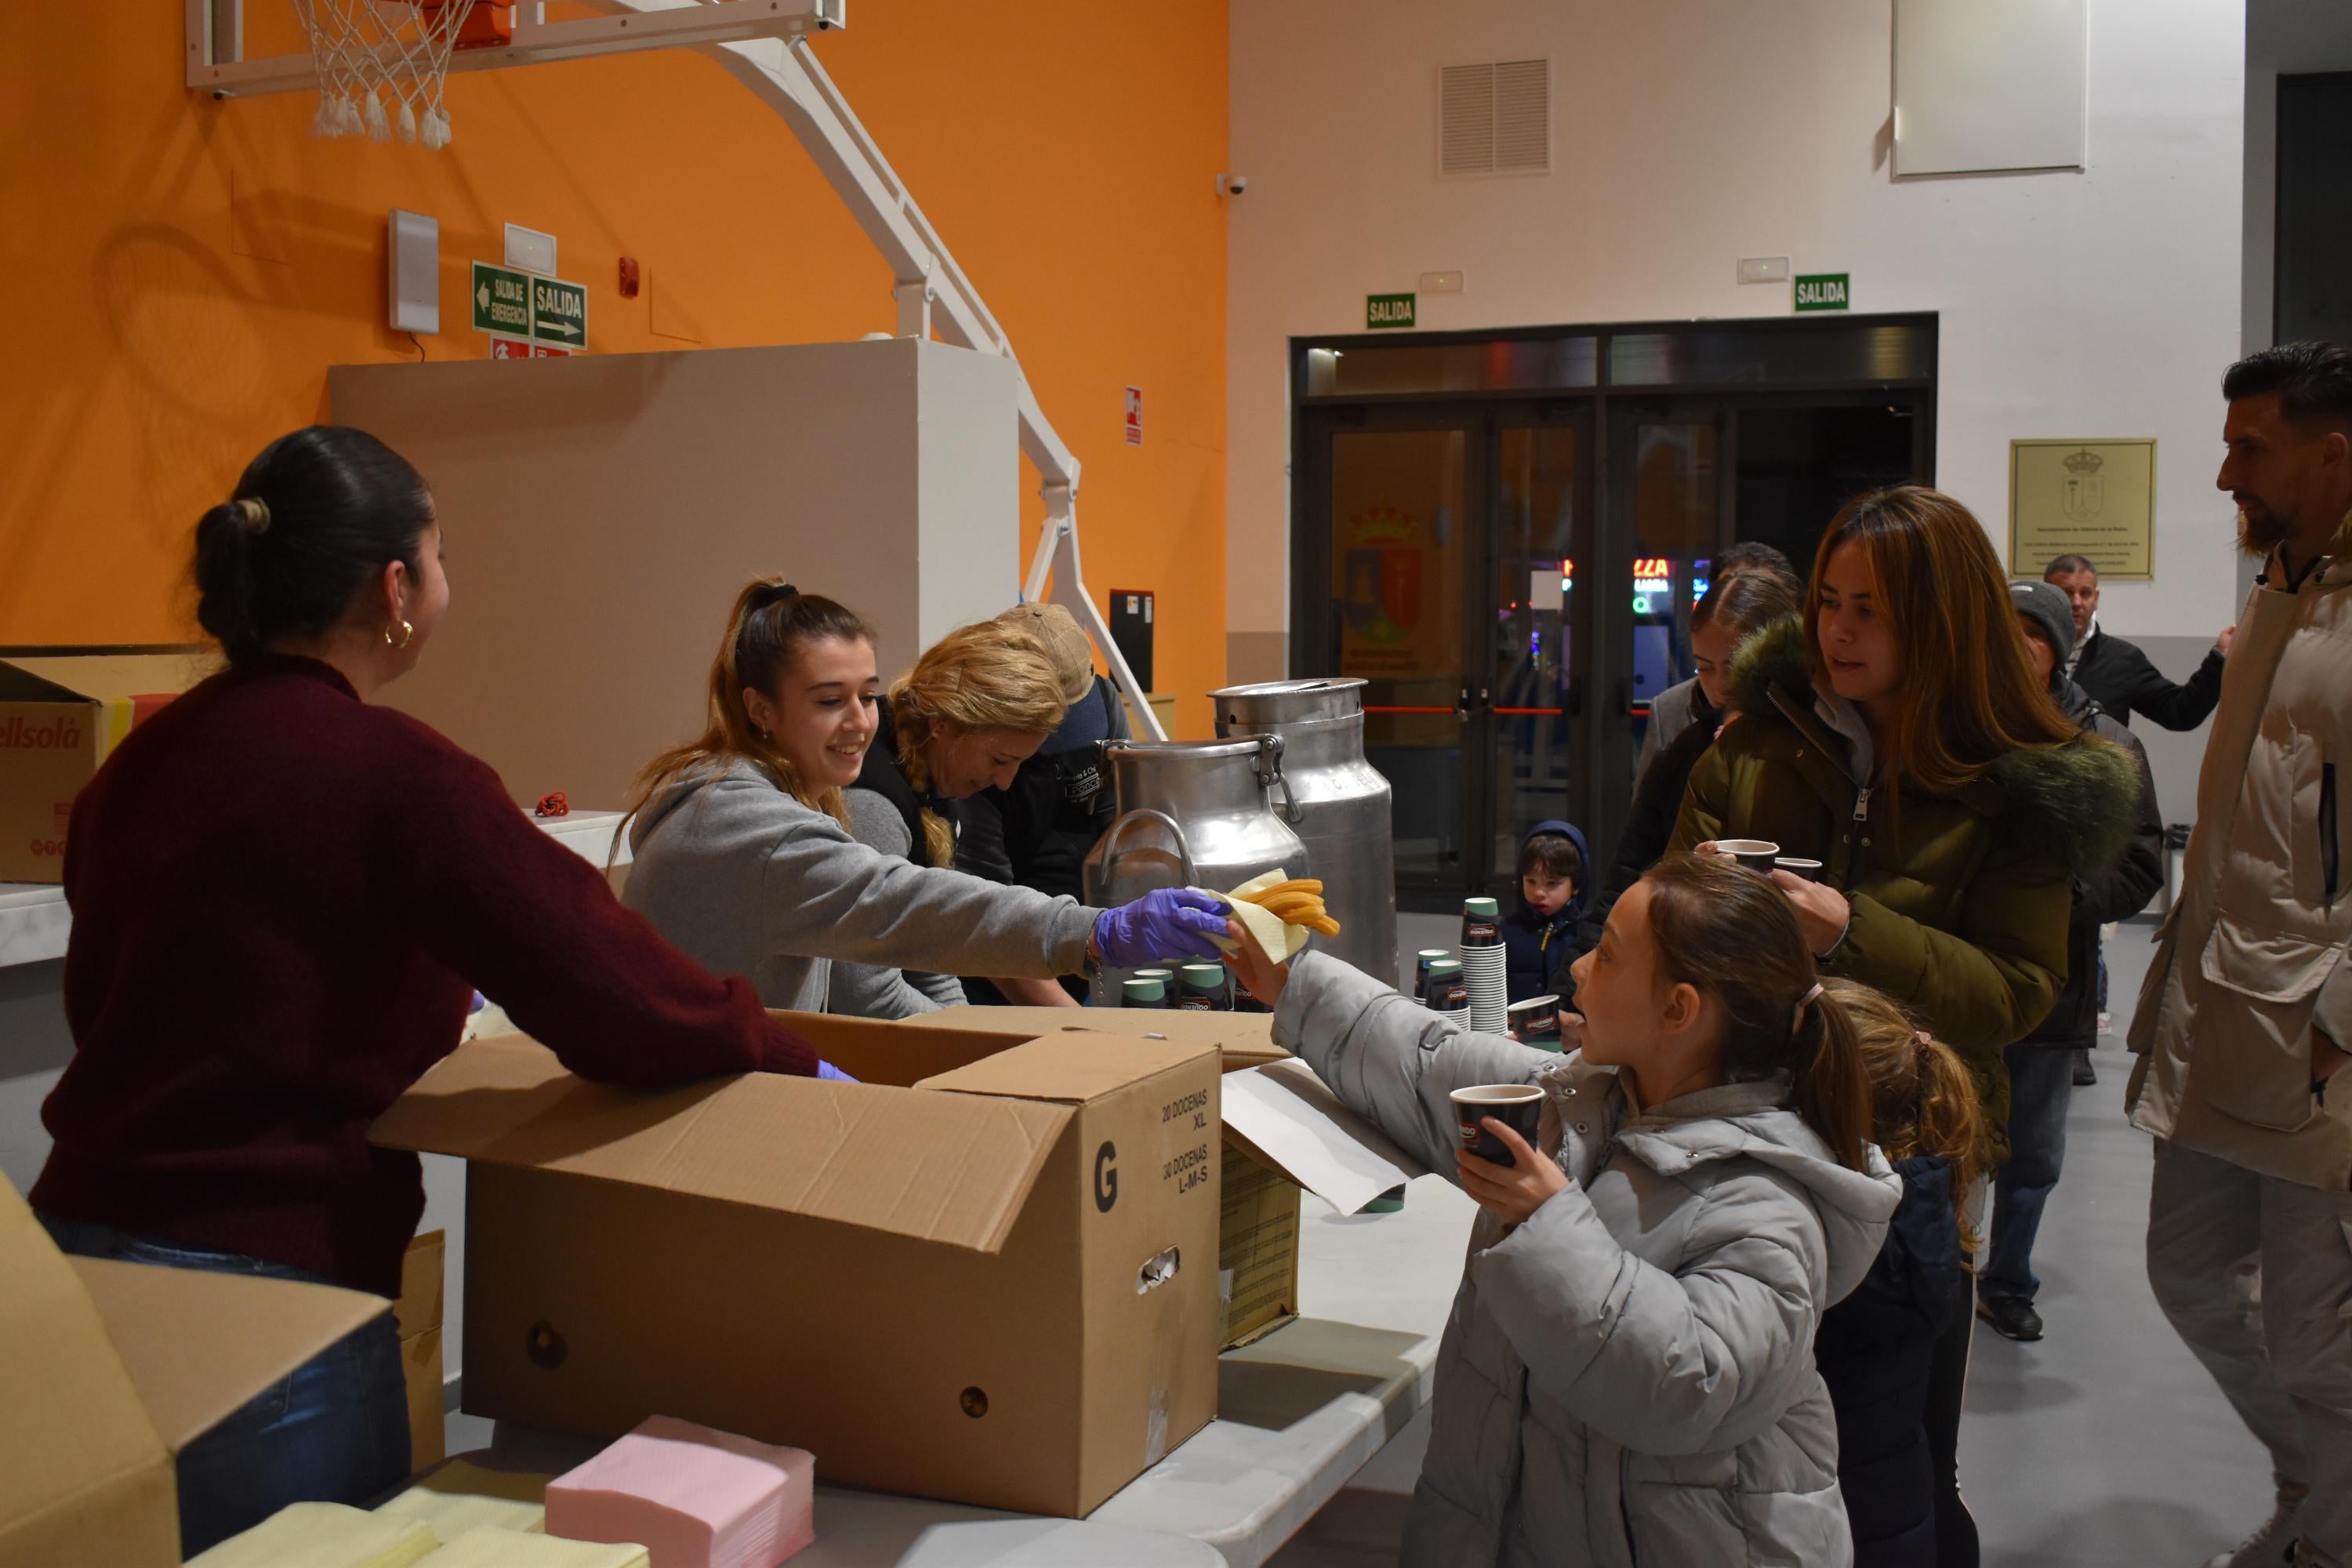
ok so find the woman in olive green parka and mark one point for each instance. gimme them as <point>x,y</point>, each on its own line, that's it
<point>1959,902</point>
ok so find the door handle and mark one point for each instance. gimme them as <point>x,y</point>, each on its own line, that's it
<point>1464,708</point>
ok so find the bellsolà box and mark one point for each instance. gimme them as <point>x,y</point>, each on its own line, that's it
<point>108,1370</point>
<point>984,1273</point>
<point>1257,1231</point>
<point>60,714</point>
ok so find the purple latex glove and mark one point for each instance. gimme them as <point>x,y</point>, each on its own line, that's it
<point>1165,924</point>
<point>826,1069</point>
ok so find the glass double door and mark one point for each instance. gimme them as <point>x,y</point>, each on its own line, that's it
<point>1452,587</point>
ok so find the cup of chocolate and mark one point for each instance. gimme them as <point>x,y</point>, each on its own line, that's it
<point>1755,854</point>
<point>1796,865</point>
<point>1535,1022</point>
<point>1519,1106</point>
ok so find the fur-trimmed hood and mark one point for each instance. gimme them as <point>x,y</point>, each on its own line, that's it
<point>2075,800</point>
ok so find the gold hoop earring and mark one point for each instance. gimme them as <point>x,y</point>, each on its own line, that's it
<point>406,632</point>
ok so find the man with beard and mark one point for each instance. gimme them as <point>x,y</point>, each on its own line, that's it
<point>2248,1002</point>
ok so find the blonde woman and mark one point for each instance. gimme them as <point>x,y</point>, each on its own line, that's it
<point>960,726</point>
<point>742,843</point>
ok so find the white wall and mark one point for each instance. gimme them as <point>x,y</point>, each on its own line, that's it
<point>1688,133</point>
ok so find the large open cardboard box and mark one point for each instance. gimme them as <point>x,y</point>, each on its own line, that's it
<point>1258,1236</point>
<point>60,716</point>
<point>983,1273</point>
<point>108,1370</point>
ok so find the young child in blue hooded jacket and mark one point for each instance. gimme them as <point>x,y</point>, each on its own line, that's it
<point>1542,936</point>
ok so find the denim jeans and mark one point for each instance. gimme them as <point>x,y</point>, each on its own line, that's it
<point>2040,1082</point>
<point>335,1429</point>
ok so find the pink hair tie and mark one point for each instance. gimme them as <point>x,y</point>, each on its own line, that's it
<point>1797,1013</point>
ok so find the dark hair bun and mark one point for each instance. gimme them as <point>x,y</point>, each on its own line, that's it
<point>317,515</point>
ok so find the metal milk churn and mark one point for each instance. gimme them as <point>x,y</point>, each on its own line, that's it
<point>1191,814</point>
<point>1337,804</point>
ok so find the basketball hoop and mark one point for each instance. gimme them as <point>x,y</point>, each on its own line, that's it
<point>369,51</point>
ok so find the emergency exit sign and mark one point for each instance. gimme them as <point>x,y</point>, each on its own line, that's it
<point>1382,310</point>
<point>1822,291</point>
<point>526,309</point>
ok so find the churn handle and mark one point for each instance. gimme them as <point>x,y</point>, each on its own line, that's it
<point>1184,845</point>
<point>1270,774</point>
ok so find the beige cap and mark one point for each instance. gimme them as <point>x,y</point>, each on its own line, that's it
<point>1064,644</point>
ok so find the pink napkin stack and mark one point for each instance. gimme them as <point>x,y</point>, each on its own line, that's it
<point>695,1497</point>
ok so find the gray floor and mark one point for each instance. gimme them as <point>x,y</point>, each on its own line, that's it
<point>2102,1445</point>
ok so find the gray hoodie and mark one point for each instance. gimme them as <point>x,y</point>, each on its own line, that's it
<point>746,880</point>
<point>1628,1376</point>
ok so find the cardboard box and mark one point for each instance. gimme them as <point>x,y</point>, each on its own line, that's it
<point>108,1370</point>
<point>1257,1238</point>
<point>980,1274</point>
<point>60,716</point>
<point>418,1314</point>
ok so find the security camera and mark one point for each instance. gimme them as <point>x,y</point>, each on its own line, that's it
<point>1231,185</point>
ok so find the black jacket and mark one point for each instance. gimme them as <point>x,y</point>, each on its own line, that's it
<point>881,773</point>
<point>1875,1350</point>
<point>2123,682</point>
<point>1037,831</point>
<point>1650,826</point>
<point>2118,893</point>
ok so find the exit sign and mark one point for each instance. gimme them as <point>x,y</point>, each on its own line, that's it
<point>1382,310</point>
<point>1822,291</point>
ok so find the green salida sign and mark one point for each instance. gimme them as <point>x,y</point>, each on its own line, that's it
<point>528,309</point>
<point>1383,310</point>
<point>559,313</point>
<point>1822,291</point>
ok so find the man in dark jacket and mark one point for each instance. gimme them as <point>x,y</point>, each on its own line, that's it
<point>2041,1065</point>
<point>2116,673</point>
<point>1540,935</point>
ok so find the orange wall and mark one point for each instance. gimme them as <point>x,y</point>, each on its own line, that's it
<point>187,269</point>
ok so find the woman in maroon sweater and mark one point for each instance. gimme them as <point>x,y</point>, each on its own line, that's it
<point>283,897</point>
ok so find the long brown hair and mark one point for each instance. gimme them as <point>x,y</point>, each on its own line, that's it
<point>1968,696</point>
<point>1731,935</point>
<point>991,675</point>
<point>770,624</point>
<point>1923,1099</point>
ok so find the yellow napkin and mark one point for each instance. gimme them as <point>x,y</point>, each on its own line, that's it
<point>322,1535</point>
<point>1274,938</point>
<point>513,1549</point>
<point>459,1497</point>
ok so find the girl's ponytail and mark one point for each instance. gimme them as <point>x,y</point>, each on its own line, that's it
<point>1923,1099</point>
<point>1827,1083</point>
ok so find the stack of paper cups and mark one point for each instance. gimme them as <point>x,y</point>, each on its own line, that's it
<point>1483,960</point>
<point>1444,994</point>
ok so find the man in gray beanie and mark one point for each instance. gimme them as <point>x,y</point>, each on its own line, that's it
<point>2042,1065</point>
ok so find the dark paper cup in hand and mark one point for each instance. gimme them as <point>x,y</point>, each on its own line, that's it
<point>1810,870</point>
<point>1535,1021</point>
<point>1519,1106</point>
<point>1755,854</point>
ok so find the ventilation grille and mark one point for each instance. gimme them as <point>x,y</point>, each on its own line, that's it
<point>1494,119</point>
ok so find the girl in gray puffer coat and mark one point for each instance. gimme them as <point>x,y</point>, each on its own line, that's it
<point>1628,1375</point>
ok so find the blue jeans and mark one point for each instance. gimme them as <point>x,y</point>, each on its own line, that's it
<point>2040,1082</point>
<point>335,1429</point>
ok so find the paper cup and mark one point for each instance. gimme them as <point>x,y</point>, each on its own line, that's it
<point>1519,1106</point>
<point>1535,1022</point>
<point>1755,854</point>
<point>1810,870</point>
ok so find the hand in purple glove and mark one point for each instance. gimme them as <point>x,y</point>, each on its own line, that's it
<point>1165,924</point>
<point>826,1069</point>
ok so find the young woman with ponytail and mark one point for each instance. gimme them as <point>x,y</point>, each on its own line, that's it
<point>744,856</point>
<point>1876,1347</point>
<point>284,896</point>
<point>1627,1375</point>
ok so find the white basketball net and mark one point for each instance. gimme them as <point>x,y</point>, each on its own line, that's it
<point>369,51</point>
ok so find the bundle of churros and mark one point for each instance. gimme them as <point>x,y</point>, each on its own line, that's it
<point>1279,911</point>
<point>1298,902</point>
